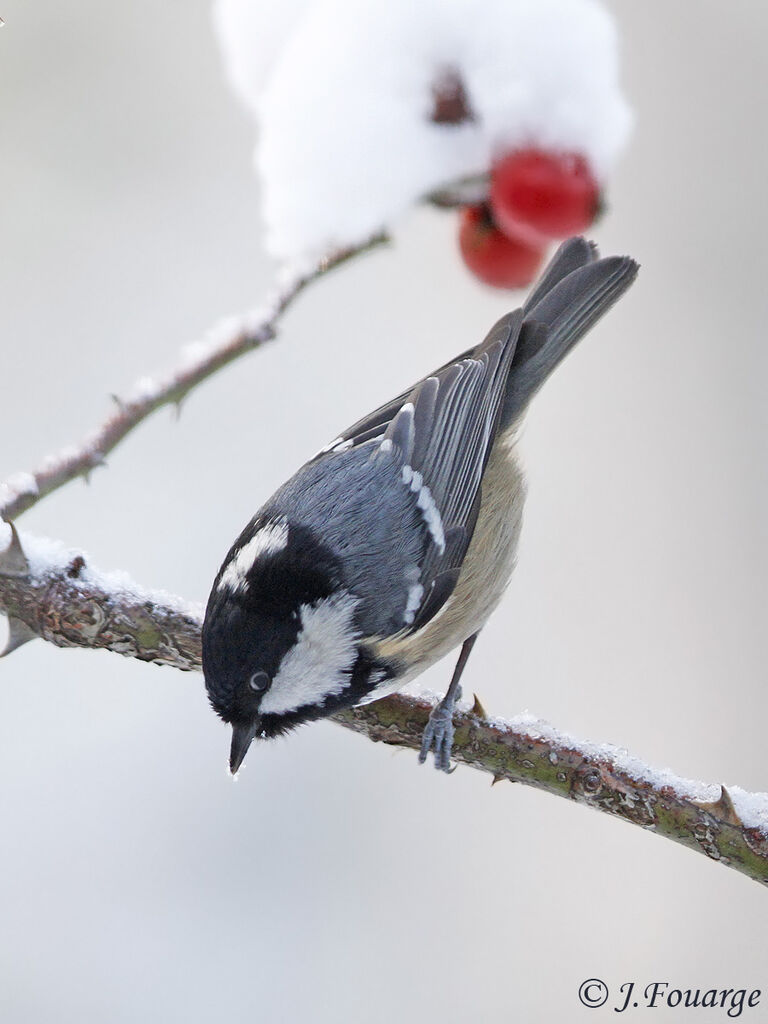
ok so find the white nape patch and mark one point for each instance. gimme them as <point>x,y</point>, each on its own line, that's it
<point>429,510</point>
<point>386,445</point>
<point>318,664</point>
<point>270,539</point>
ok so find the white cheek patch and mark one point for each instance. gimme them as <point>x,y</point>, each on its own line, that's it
<point>429,510</point>
<point>318,664</point>
<point>267,541</point>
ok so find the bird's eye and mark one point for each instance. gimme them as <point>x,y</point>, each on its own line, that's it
<point>258,682</point>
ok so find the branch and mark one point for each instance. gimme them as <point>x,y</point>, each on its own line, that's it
<point>200,360</point>
<point>467,191</point>
<point>51,592</point>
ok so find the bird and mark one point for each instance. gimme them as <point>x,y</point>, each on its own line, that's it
<point>392,546</point>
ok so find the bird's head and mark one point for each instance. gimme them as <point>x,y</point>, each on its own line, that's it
<point>281,644</point>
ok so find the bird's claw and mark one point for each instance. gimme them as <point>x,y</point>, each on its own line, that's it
<point>438,735</point>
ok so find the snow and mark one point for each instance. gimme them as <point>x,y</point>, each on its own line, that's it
<point>252,35</point>
<point>193,354</point>
<point>223,332</point>
<point>15,485</point>
<point>146,389</point>
<point>226,332</point>
<point>47,557</point>
<point>52,462</point>
<point>342,92</point>
<point>752,808</point>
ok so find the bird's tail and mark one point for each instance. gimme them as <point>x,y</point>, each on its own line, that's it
<point>576,289</point>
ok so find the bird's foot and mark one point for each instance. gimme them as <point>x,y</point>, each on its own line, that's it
<point>438,733</point>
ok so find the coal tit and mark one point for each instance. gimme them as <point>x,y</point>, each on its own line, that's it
<point>394,544</point>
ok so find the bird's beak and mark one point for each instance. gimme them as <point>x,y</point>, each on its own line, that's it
<point>241,740</point>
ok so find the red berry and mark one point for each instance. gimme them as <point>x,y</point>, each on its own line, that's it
<point>494,257</point>
<point>538,195</point>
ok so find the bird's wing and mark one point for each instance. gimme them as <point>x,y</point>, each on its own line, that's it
<point>397,497</point>
<point>440,435</point>
<point>376,422</point>
<point>440,431</point>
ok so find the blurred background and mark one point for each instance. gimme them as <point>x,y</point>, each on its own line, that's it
<point>335,880</point>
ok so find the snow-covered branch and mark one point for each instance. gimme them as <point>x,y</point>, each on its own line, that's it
<point>51,592</point>
<point>199,360</point>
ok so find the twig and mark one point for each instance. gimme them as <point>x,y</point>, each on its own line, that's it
<point>467,191</point>
<point>53,593</point>
<point>232,339</point>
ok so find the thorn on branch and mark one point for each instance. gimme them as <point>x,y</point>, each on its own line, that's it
<point>13,561</point>
<point>722,808</point>
<point>477,709</point>
<point>19,633</point>
<point>96,460</point>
